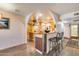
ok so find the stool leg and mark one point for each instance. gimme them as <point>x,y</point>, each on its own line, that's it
<point>52,45</point>
<point>49,45</point>
<point>62,44</point>
<point>55,48</point>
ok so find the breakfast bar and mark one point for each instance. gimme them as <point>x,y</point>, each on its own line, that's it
<point>42,42</point>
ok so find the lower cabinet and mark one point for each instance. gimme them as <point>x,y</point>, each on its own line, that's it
<point>38,43</point>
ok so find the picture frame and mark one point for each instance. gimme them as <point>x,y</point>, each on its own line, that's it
<point>4,23</point>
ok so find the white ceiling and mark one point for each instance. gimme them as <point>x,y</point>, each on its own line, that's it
<point>25,8</point>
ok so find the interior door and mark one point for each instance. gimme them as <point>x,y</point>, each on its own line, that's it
<point>74,31</point>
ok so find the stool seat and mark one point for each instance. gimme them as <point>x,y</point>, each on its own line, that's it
<point>53,39</point>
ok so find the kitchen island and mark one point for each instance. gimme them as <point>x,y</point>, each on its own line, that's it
<point>42,42</point>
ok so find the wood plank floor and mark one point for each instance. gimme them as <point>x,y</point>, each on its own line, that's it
<point>28,49</point>
<point>21,50</point>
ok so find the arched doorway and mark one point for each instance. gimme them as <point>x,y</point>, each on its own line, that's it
<point>38,19</point>
<point>30,28</point>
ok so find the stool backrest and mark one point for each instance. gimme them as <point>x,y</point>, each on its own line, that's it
<point>60,35</point>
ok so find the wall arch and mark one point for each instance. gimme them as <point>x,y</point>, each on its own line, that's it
<point>54,16</point>
<point>26,21</point>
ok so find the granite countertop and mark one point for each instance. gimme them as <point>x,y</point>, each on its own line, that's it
<point>50,33</point>
<point>38,35</point>
<point>45,33</point>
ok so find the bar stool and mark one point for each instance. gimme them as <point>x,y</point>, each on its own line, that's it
<point>55,41</point>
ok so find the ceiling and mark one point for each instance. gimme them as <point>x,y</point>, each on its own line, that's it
<point>25,8</point>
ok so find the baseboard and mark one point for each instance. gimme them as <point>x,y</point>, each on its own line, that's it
<point>13,46</point>
<point>66,38</point>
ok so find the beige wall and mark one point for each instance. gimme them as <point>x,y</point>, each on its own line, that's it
<point>15,35</point>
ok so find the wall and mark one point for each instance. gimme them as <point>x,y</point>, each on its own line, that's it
<point>56,19</point>
<point>60,26</point>
<point>66,30</point>
<point>13,36</point>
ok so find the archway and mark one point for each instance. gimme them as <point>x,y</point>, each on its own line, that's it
<point>30,32</point>
<point>38,19</point>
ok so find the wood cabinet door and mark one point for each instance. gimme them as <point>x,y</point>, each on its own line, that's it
<point>38,43</point>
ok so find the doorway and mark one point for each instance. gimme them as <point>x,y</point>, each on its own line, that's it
<point>30,32</point>
<point>74,31</point>
<point>73,41</point>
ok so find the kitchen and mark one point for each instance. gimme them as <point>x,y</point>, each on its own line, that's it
<point>44,27</point>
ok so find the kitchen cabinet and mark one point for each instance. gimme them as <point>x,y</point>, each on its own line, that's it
<point>42,42</point>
